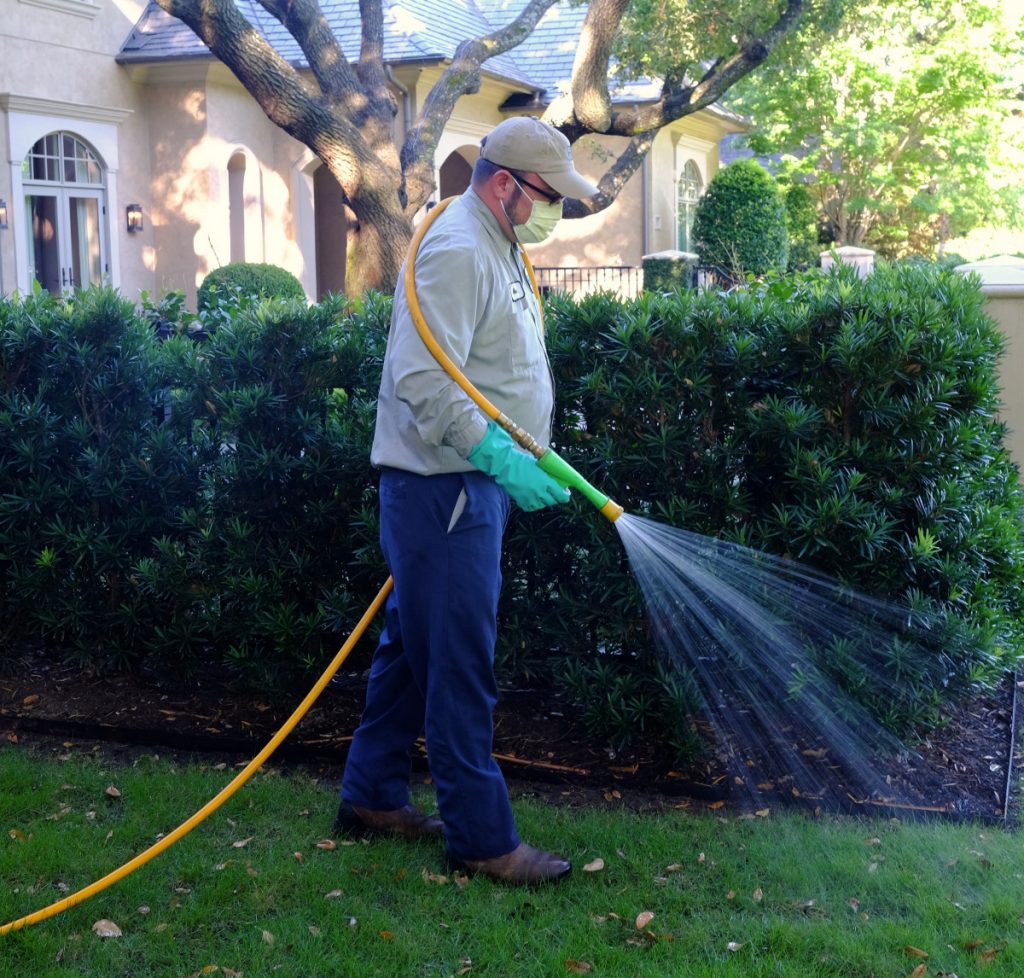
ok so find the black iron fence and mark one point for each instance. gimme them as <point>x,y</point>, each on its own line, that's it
<point>626,280</point>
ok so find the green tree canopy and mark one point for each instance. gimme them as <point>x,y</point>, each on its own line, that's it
<point>902,123</point>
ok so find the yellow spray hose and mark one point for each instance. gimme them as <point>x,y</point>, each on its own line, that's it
<point>556,467</point>
<point>549,461</point>
<point>224,794</point>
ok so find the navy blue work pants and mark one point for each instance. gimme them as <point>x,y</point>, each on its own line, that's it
<point>433,670</point>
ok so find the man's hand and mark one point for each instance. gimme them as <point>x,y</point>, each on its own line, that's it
<point>516,471</point>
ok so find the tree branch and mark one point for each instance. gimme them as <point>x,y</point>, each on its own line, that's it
<point>682,101</point>
<point>590,98</point>
<point>461,77</point>
<point>344,133</point>
<point>305,21</point>
<point>371,46</point>
<point>614,178</point>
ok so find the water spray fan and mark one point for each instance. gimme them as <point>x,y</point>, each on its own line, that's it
<point>548,460</point>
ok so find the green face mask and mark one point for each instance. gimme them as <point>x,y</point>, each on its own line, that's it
<point>541,222</point>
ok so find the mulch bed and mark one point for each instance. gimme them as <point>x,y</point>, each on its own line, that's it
<point>963,769</point>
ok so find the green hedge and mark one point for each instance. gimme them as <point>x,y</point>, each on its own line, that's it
<point>250,279</point>
<point>207,501</point>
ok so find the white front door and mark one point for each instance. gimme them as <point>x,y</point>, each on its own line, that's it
<point>65,226</point>
<point>66,233</point>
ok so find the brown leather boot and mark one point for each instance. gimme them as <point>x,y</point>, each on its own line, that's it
<point>524,865</point>
<point>408,822</point>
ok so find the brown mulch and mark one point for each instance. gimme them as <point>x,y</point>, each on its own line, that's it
<point>963,769</point>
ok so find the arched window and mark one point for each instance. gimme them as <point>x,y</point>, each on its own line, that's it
<point>65,195</point>
<point>688,192</point>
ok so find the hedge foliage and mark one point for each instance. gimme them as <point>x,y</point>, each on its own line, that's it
<point>207,502</point>
<point>740,224</point>
<point>248,279</point>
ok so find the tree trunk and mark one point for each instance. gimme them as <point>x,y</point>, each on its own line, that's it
<point>382,237</point>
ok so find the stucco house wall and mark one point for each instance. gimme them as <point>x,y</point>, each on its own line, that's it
<point>49,48</point>
<point>217,181</point>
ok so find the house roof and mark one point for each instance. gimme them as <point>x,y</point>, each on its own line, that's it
<point>416,31</point>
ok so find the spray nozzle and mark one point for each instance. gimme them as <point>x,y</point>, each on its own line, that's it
<point>564,474</point>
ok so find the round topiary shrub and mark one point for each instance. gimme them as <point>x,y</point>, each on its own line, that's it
<point>248,279</point>
<point>741,221</point>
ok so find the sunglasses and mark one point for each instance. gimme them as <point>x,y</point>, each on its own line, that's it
<point>549,196</point>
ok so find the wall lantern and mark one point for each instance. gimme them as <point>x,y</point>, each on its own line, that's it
<point>133,215</point>
<point>3,214</point>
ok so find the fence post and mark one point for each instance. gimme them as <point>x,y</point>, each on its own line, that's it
<point>1002,284</point>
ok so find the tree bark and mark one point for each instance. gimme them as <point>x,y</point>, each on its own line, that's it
<point>461,77</point>
<point>347,118</point>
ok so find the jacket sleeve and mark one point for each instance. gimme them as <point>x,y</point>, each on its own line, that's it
<point>453,297</point>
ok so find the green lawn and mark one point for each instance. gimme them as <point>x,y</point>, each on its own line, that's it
<point>250,892</point>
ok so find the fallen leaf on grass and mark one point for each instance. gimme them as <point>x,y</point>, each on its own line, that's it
<point>643,919</point>
<point>919,971</point>
<point>112,792</point>
<point>757,896</point>
<point>715,805</point>
<point>268,938</point>
<point>29,700</point>
<point>241,843</point>
<point>387,935</point>
<point>327,844</point>
<point>578,967</point>
<point>914,952</point>
<point>734,945</point>
<point>429,877</point>
<point>298,856</point>
<point>18,835</point>
<point>594,866</point>
<point>106,928</point>
<point>334,894</point>
<point>807,906</point>
<point>988,955</point>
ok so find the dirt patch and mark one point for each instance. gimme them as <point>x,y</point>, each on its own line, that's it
<point>963,769</point>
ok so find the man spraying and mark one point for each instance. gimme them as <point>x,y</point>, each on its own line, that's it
<point>448,479</point>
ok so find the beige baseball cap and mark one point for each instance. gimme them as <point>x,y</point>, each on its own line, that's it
<point>526,144</point>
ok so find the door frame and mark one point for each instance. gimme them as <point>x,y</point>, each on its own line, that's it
<point>28,120</point>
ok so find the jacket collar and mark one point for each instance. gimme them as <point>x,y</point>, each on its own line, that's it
<point>478,209</point>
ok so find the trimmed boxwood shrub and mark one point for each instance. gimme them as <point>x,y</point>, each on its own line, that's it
<point>741,222</point>
<point>848,423</point>
<point>275,556</point>
<point>88,476</point>
<point>251,279</point>
<point>209,501</point>
<point>668,274</point>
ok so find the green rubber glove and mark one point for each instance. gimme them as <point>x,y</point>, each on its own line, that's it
<point>515,471</point>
